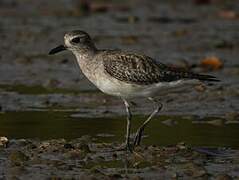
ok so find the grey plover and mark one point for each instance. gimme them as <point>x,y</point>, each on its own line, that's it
<point>127,75</point>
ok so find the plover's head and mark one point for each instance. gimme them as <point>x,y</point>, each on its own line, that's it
<point>75,41</point>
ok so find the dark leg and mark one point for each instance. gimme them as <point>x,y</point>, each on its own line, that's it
<point>129,116</point>
<point>140,131</point>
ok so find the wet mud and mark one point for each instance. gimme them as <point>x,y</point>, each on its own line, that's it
<point>59,126</point>
<point>83,158</point>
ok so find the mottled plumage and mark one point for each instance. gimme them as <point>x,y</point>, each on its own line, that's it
<point>127,75</point>
<point>143,70</point>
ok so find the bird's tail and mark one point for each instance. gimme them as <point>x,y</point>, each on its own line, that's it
<point>204,77</point>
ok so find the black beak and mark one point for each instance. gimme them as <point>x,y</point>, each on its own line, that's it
<point>57,49</point>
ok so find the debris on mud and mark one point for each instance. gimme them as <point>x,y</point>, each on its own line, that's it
<point>3,141</point>
<point>83,157</point>
<point>211,63</point>
<point>46,97</point>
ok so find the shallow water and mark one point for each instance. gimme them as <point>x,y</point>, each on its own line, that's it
<point>45,98</point>
<point>163,130</point>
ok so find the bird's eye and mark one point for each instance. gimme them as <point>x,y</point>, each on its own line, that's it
<point>75,40</point>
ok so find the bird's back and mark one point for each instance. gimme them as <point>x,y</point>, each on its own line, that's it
<point>143,70</point>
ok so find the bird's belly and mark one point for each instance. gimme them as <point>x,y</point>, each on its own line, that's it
<point>126,90</point>
<point>112,87</point>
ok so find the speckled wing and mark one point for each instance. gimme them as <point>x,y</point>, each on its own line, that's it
<point>143,70</point>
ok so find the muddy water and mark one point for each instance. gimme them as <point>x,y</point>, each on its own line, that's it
<point>45,98</point>
<point>164,130</point>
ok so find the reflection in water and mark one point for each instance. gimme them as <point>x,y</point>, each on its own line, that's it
<point>50,124</point>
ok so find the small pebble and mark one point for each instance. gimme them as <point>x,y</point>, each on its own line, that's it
<point>232,116</point>
<point>17,158</point>
<point>232,122</point>
<point>216,122</point>
<point>68,146</point>
<point>175,176</point>
<point>4,141</point>
<point>223,177</point>
<point>170,122</point>
<point>200,88</point>
<point>181,145</point>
